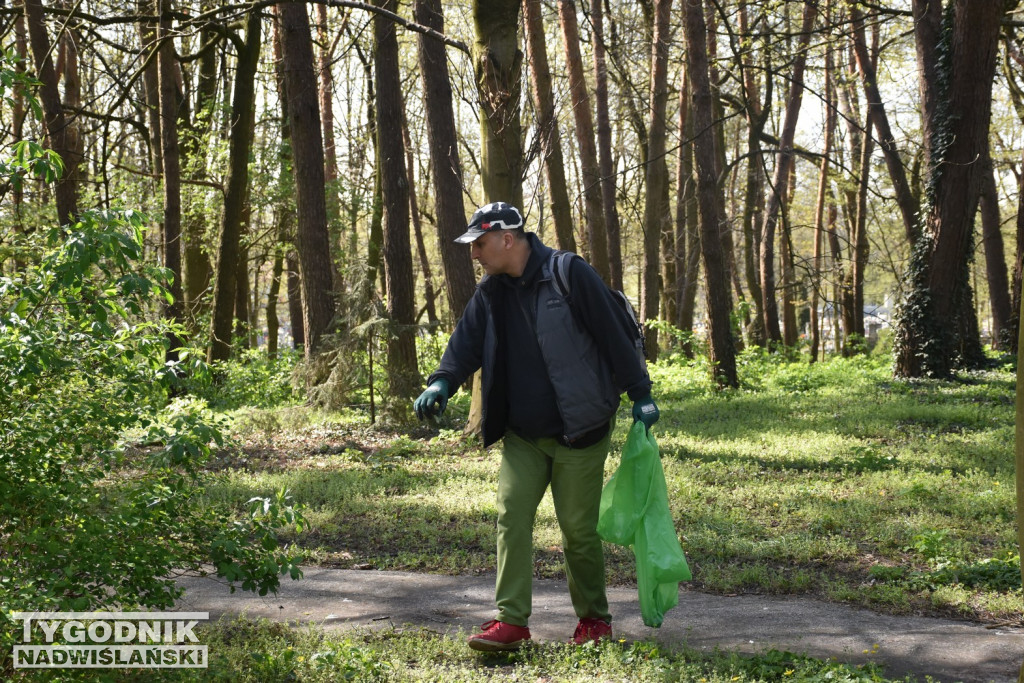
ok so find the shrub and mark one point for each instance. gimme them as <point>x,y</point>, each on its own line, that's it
<point>89,517</point>
<point>251,379</point>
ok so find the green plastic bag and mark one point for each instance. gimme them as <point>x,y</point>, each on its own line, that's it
<point>635,513</point>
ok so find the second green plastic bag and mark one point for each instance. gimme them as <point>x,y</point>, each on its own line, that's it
<point>635,513</point>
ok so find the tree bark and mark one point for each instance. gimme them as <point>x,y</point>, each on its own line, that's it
<point>240,142</point>
<point>403,376</point>
<point>18,113</point>
<point>312,241</point>
<point>444,160</point>
<point>417,226</point>
<point>937,330</point>
<point>687,218</point>
<point>728,246</point>
<point>995,257</point>
<point>547,126</point>
<point>753,198</point>
<point>57,125</point>
<point>298,326</point>
<point>860,248</point>
<point>243,323</point>
<point>790,333</point>
<point>780,184</point>
<point>1018,269</point>
<point>604,147</point>
<point>331,174</point>
<point>284,262</point>
<point>655,220</point>
<point>497,63</point>
<point>819,206</point>
<point>196,269</point>
<point>904,197</point>
<point>169,101</point>
<point>597,231</point>
<point>716,289</point>
<point>273,292</point>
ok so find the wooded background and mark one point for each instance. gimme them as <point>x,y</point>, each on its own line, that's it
<point>750,173</point>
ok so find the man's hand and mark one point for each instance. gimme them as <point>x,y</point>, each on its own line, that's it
<point>646,410</point>
<point>433,401</point>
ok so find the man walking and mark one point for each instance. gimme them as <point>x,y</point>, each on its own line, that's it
<point>554,365</point>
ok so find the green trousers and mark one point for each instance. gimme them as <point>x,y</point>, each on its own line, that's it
<point>576,477</point>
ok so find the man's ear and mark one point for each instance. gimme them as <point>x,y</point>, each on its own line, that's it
<point>508,240</point>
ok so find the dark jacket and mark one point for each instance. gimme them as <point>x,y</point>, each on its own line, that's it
<point>547,370</point>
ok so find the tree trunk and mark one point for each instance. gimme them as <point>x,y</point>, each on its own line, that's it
<point>497,63</point>
<point>597,231</point>
<point>655,220</point>
<point>376,230</point>
<point>1018,269</point>
<point>196,269</point>
<point>332,198</point>
<point>780,184</point>
<point>151,86</point>
<point>403,376</point>
<point>604,147</point>
<point>284,264</point>
<point>995,257</point>
<point>298,326</point>
<point>936,331</point>
<point>444,160</point>
<point>57,125</point>
<point>547,126</point>
<point>819,206</point>
<point>243,323</point>
<point>18,113</point>
<point>904,197</point>
<point>683,177</point>
<point>169,101</point>
<point>859,245</point>
<point>790,333</point>
<point>687,218</point>
<point>728,246</point>
<point>1018,449</point>
<point>273,292</point>
<point>240,142</point>
<point>716,289</point>
<point>753,202</point>
<point>417,227</point>
<point>855,198</point>
<point>312,241</point>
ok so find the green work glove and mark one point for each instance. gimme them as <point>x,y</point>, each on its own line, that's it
<point>433,401</point>
<point>646,410</point>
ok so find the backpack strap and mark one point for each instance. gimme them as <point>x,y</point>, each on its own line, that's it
<point>560,262</point>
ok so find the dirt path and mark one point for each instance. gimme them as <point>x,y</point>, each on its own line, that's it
<point>945,649</point>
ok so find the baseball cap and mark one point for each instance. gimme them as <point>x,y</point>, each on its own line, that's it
<point>490,217</point>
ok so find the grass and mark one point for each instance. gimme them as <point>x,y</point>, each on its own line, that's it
<point>831,480</point>
<point>242,650</point>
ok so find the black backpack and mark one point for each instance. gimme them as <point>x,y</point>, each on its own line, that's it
<point>560,262</point>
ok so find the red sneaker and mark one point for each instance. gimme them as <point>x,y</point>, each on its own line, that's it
<point>591,630</point>
<point>498,636</point>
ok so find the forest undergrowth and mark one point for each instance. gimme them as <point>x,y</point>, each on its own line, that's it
<point>831,480</point>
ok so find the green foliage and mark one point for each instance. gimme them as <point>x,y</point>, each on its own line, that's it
<point>17,83</point>
<point>101,481</point>
<point>250,380</point>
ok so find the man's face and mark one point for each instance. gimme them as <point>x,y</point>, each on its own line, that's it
<point>491,251</point>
